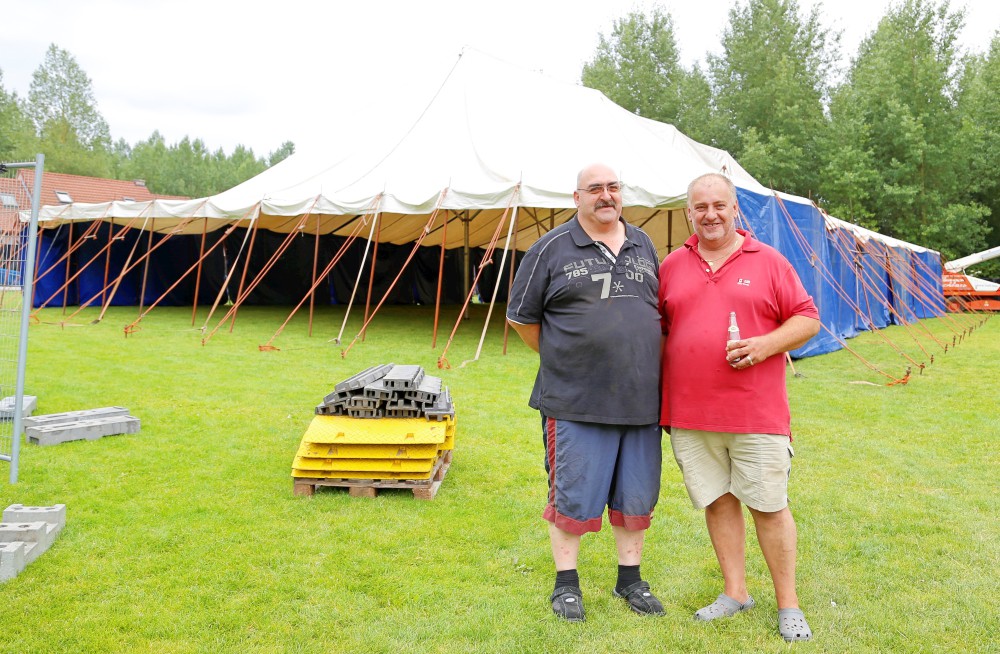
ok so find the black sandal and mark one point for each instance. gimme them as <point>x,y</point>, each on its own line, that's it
<point>567,603</point>
<point>640,599</point>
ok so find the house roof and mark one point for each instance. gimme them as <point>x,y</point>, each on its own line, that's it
<point>62,188</point>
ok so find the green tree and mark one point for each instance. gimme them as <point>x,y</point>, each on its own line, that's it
<point>900,101</point>
<point>637,67</point>
<point>849,177</point>
<point>286,150</point>
<point>696,116</point>
<point>979,111</point>
<point>17,136</point>
<point>73,135</point>
<point>770,86</point>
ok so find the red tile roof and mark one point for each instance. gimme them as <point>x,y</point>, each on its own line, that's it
<point>85,189</point>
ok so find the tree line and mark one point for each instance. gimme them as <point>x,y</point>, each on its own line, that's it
<point>903,140</point>
<point>60,118</point>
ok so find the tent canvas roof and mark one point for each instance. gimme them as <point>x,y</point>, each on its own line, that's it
<point>493,136</point>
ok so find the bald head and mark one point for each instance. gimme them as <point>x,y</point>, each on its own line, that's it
<point>708,179</point>
<point>595,170</point>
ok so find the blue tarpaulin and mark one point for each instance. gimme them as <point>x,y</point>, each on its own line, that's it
<point>848,278</point>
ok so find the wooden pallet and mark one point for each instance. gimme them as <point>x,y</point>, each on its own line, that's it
<point>423,489</point>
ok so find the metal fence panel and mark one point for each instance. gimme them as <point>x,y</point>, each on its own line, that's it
<point>18,226</point>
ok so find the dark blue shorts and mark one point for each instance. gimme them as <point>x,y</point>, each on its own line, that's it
<point>592,466</point>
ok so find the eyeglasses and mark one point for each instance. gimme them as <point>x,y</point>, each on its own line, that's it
<point>597,189</point>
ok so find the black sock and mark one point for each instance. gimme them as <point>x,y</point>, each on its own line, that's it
<point>627,575</point>
<point>567,578</point>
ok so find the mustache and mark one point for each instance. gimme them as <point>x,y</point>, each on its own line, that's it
<point>604,203</point>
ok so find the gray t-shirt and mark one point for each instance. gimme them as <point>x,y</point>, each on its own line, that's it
<point>599,343</point>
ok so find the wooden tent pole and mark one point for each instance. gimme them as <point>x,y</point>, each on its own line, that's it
<point>69,248</point>
<point>246,267</point>
<point>312,291</point>
<point>510,285</point>
<point>197,279</point>
<point>38,261</point>
<point>107,263</point>
<point>437,298</point>
<point>371,278</point>
<point>466,260</point>
<point>670,231</point>
<point>145,265</point>
<point>121,275</point>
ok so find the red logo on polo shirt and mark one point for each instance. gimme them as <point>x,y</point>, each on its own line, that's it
<point>743,282</point>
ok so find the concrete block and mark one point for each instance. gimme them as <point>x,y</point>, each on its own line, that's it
<point>36,536</point>
<point>70,416</point>
<point>427,392</point>
<point>378,390</point>
<point>362,402</point>
<point>11,560</point>
<point>54,515</point>
<point>364,377</point>
<point>404,377</point>
<point>442,408</point>
<point>365,413</point>
<point>28,405</point>
<point>337,397</point>
<point>82,430</point>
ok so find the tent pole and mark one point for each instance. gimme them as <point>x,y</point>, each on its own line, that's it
<point>312,291</point>
<point>510,285</point>
<point>107,263</point>
<point>437,300</point>
<point>121,275</point>
<point>145,265</point>
<point>465,267</point>
<point>670,231</point>
<point>197,280</point>
<point>371,278</point>
<point>246,267</point>
<point>69,248</point>
<point>38,261</point>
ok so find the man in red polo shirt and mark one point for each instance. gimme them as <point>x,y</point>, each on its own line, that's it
<point>725,401</point>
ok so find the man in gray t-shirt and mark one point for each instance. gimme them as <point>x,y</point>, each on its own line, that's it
<point>585,298</point>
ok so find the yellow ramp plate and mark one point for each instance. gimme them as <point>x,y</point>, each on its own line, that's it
<point>351,474</point>
<point>375,431</point>
<point>363,465</point>
<point>335,451</point>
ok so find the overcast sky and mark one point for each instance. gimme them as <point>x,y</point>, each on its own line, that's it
<point>317,73</point>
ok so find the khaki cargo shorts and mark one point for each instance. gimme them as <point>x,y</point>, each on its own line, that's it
<point>753,467</point>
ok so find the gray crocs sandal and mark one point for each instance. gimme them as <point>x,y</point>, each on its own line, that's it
<point>640,599</point>
<point>724,606</point>
<point>567,603</point>
<point>792,625</point>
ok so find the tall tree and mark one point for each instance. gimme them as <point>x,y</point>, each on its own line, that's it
<point>17,136</point>
<point>770,87</point>
<point>637,67</point>
<point>286,150</point>
<point>900,100</point>
<point>61,104</point>
<point>696,115</point>
<point>979,111</point>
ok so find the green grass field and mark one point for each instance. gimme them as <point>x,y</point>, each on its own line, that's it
<point>186,537</point>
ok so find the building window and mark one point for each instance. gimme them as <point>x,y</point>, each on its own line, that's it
<point>8,201</point>
<point>64,197</point>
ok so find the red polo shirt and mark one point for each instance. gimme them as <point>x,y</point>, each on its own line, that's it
<point>700,390</point>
